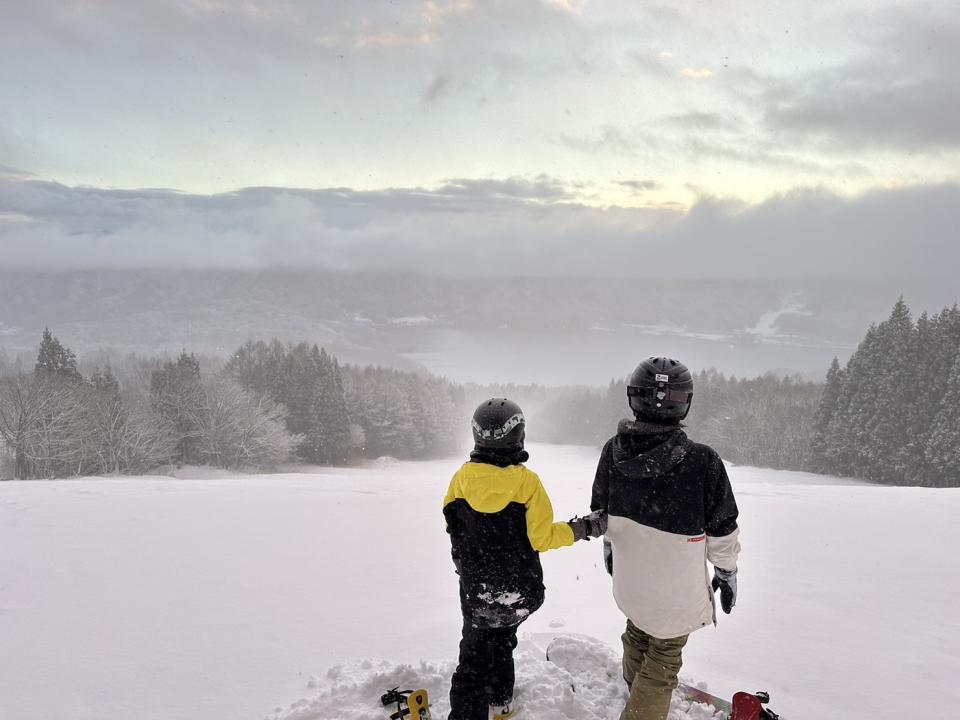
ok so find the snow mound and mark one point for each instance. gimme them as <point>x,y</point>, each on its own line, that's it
<point>352,691</point>
<point>384,462</point>
<point>581,681</point>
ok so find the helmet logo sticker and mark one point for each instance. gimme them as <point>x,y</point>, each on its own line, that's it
<point>662,378</point>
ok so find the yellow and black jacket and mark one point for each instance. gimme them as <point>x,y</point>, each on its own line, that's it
<point>499,519</point>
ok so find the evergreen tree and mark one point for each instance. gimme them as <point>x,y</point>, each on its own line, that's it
<point>391,426</point>
<point>884,455</point>
<point>822,419</point>
<point>54,359</point>
<point>891,402</point>
<point>245,366</point>
<point>109,418</point>
<point>942,449</point>
<point>330,439</point>
<point>919,411</point>
<point>846,430</point>
<point>298,380</point>
<point>176,394</point>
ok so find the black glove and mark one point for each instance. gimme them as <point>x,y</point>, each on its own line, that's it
<point>726,582</point>
<point>591,526</point>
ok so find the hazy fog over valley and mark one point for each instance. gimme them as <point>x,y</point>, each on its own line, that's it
<point>550,330</point>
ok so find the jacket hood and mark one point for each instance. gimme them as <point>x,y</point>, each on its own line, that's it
<point>642,450</point>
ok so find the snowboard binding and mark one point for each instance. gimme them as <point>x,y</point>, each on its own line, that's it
<point>412,704</point>
<point>750,707</point>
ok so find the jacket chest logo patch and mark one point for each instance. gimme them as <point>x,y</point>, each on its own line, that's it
<point>699,538</point>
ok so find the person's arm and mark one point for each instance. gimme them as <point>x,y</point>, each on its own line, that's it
<point>723,534</point>
<point>600,498</point>
<point>450,515</point>
<point>543,532</point>
<point>723,544</point>
<point>601,480</point>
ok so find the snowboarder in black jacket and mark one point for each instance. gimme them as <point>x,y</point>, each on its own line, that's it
<point>670,509</point>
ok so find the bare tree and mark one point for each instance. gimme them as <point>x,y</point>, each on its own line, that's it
<point>44,423</point>
<point>239,430</point>
<point>145,441</point>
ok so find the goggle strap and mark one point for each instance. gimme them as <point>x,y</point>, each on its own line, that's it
<point>682,396</point>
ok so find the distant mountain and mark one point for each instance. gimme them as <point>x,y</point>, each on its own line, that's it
<point>411,320</point>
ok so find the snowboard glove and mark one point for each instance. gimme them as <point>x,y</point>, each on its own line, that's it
<point>726,582</point>
<point>590,526</point>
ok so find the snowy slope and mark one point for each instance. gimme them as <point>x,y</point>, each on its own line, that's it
<point>220,598</point>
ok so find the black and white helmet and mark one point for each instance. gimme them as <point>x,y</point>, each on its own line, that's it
<point>660,390</point>
<point>498,423</point>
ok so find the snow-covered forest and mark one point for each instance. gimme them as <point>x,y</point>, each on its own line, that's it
<point>266,405</point>
<point>271,403</point>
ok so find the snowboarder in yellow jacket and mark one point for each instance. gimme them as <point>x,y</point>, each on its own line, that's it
<point>499,518</point>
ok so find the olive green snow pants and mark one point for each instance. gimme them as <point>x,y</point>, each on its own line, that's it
<point>650,667</point>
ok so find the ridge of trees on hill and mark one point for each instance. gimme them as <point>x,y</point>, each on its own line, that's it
<point>270,403</point>
<point>342,413</point>
<point>892,414</point>
<point>764,421</point>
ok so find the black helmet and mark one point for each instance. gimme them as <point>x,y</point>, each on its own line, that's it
<point>498,423</point>
<point>660,390</point>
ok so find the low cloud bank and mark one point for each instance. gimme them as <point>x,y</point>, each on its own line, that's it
<point>486,227</point>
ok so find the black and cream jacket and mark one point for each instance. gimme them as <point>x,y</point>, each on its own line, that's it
<point>671,509</point>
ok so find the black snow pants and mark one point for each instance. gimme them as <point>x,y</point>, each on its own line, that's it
<point>484,675</point>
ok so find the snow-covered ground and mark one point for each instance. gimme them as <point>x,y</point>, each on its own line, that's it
<point>232,598</point>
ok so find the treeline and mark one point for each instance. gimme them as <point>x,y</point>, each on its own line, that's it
<point>342,413</point>
<point>270,403</point>
<point>764,421</point>
<point>892,413</point>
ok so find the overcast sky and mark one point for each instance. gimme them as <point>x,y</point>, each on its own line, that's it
<point>431,134</point>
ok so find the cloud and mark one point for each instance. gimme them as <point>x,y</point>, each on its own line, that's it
<point>438,88</point>
<point>570,6</point>
<point>652,64</point>
<point>540,189</point>
<point>478,227</point>
<point>281,28</point>
<point>11,173</point>
<point>766,154</point>
<point>701,120</point>
<point>609,139</point>
<point>901,92</point>
<point>696,73</point>
<point>640,185</point>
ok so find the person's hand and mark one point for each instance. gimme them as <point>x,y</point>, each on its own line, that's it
<point>726,582</point>
<point>590,526</point>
